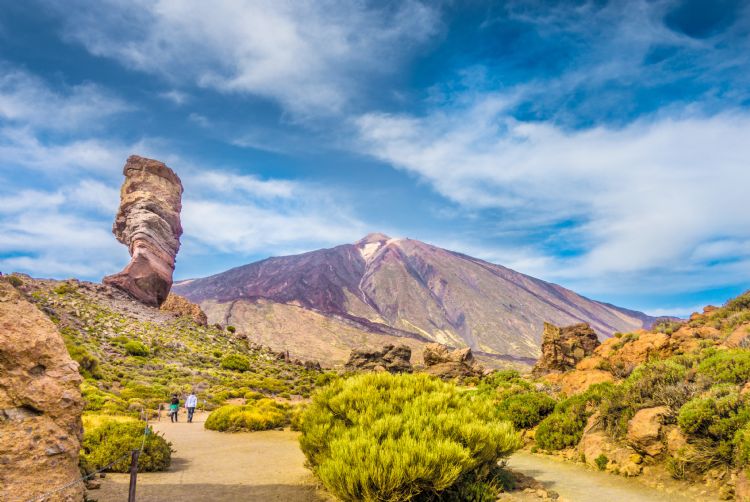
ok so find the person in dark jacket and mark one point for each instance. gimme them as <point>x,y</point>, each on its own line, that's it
<point>174,407</point>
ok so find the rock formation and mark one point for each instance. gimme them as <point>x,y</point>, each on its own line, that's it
<point>395,359</point>
<point>184,308</point>
<point>444,362</point>
<point>563,348</point>
<point>148,222</point>
<point>40,404</point>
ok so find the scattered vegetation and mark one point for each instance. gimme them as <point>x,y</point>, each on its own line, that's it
<point>133,363</point>
<point>404,437</point>
<point>516,399</point>
<point>564,427</point>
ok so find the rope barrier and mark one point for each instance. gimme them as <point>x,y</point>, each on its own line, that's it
<point>82,479</point>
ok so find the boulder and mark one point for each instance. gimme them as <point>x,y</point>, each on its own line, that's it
<point>563,348</point>
<point>394,359</point>
<point>644,430</point>
<point>40,405</point>
<point>444,362</point>
<point>595,443</point>
<point>184,308</point>
<point>148,222</point>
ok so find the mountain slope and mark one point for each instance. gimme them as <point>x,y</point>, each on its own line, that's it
<point>409,288</point>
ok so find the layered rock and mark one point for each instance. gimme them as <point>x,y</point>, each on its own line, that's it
<point>148,222</point>
<point>394,359</point>
<point>444,362</point>
<point>563,348</point>
<point>184,308</point>
<point>40,405</point>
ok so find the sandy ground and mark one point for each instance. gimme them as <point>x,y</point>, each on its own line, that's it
<point>217,466</point>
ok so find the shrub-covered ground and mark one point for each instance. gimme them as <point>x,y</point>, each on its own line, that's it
<point>701,392</point>
<point>134,357</point>
<point>382,437</point>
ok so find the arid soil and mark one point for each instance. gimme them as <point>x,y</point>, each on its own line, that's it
<point>217,466</point>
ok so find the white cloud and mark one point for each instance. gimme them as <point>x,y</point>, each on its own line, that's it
<point>648,194</point>
<point>26,99</point>
<point>177,97</point>
<point>310,56</point>
<point>242,214</point>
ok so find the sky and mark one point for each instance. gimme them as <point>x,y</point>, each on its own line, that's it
<point>604,146</point>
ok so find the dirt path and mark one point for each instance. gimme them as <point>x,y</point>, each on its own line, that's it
<point>576,483</point>
<point>217,466</point>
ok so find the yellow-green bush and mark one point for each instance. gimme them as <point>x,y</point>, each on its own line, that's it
<point>113,439</point>
<point>235,362</point>
<point>382,437</point>
<point>260,415</point>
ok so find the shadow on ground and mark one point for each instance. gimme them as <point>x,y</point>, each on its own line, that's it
<point>117,492</point>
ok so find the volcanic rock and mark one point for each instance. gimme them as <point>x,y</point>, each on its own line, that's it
<point>563,348</point>
<point>40,405</point>
<point>148,222</point>
<point>444,362</point>
<point>184,308</point>
<point>644,430</point>
<point>394,359</point>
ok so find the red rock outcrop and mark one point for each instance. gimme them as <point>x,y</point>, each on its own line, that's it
<point>563,348</point>
<point>148,222</point>
<point>40,405</point>
<point>444,362</point>
<point>184,308</point>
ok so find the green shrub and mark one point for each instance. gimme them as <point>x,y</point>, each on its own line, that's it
<point>742,302</point>
<point>601,462</point>
<point>136,348</point>
<point>658,383</point>
<point>714,422</point>
<point>113,440</point>
<point>564,427</point>
<point>727,366</point>
<point>65,288</point>
<point>525,410</point>
<point>235,362</point>
<point>260,415</point>
<point>231,329</point>
<point>382,437</point>
<point>14,281</point>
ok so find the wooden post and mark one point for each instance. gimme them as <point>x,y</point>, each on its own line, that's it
<point>133,475</point>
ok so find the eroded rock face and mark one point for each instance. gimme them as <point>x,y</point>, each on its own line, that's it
<point>184,307</point>
<point>40,404</point>
<point>148,222</point>
<point>563,348</point>
<point>394,359</point>
<point>644,430</point>
<point>444,362</point>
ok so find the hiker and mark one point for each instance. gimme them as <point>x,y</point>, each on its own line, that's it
<point>190,403</point>
<point>174,407</point>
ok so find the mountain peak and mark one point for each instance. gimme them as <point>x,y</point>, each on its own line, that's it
<point>372,238</point>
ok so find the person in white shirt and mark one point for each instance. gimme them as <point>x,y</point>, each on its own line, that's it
<point>190,404</point>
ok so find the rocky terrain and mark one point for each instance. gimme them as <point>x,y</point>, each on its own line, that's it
<point>40,404</point>
<point>668,403</point>
<point>400,288</point>
<point>148,222</point>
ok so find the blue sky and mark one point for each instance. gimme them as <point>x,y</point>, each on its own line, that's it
<point>600,145</point>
